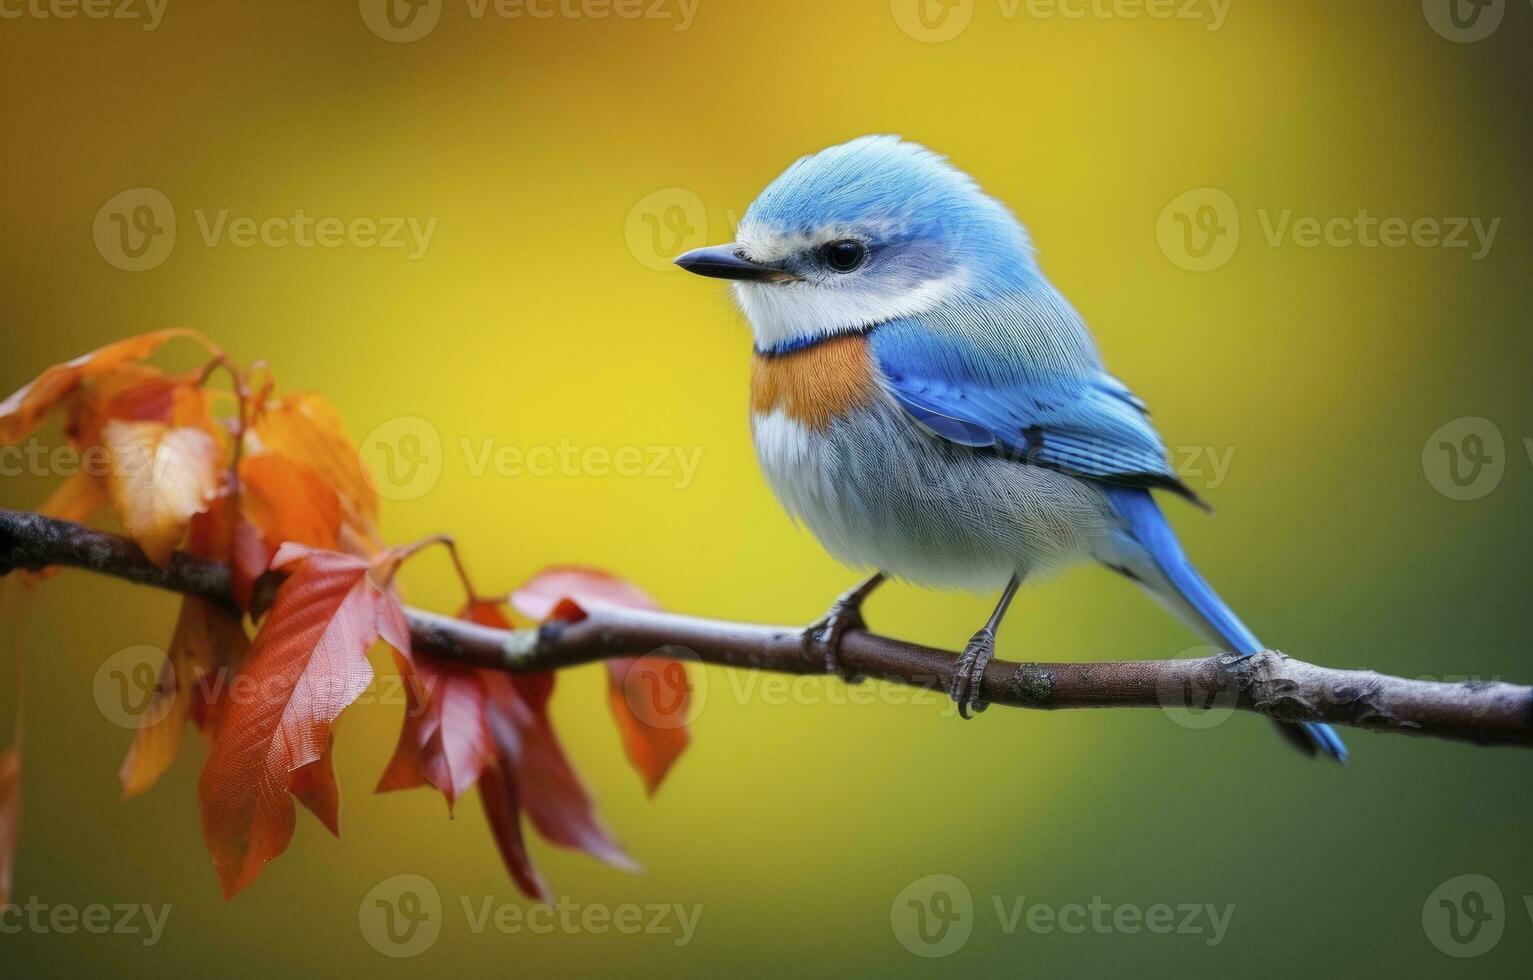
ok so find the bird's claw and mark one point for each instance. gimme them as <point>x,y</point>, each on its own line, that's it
<point>969,673</point>
<point>824,634</point>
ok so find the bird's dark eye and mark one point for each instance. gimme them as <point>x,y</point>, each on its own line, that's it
<point>844,255</point>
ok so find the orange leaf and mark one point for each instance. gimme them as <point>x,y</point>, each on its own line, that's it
<point>23,411</point>
<point>653,727</point>
<point>649,697</point>
<point>307,663</point>
<point>289,501</point>
<point>207,639</point>
<point>159,478</point>
<point>131,392</point>
<point>306,429</point>
<point>76,499</point>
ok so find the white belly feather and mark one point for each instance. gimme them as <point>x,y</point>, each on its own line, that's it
<point>880,492</point>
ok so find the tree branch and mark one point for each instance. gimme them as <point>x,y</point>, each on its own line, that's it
<point>1271,684</point>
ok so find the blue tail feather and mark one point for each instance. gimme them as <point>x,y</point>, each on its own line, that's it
<point>1153,533</point>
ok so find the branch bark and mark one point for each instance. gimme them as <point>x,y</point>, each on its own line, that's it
<point>1270,683</point>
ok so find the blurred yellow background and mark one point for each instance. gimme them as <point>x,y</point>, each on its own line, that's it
<point>559,161</point>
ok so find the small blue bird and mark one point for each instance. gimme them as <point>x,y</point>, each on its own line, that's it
<point>927,402</point>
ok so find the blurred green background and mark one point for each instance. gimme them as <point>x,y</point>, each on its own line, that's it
<point>563,159</point>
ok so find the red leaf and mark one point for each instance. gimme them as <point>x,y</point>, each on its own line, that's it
<point>443,742</point>
<point>10,815</point>
<point>315,787</point>
<point>224,534</point>
<point>553,795</point>
<point>587,587</point>
<point>535,688</point>
<point>498,795</point>
<point>654,731</point>
<point>307,663</point>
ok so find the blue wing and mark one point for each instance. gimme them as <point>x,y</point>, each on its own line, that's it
<point>1081,421</point>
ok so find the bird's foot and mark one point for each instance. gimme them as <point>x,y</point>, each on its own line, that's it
<point>824,634</point>
<point>969,672</point>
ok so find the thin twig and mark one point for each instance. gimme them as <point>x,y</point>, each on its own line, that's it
<point>1270,684</point>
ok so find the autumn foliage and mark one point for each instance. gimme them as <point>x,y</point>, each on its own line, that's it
<point>271,485</point>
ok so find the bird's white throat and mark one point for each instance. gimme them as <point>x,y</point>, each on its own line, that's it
<point>784,312</point>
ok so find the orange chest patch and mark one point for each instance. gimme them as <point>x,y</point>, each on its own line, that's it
<point>816,384</point>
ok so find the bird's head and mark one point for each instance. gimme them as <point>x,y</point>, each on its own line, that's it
<point>862,233</point>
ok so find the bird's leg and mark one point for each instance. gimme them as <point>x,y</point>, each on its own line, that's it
<point>969,672</point>
<point>825,633</point>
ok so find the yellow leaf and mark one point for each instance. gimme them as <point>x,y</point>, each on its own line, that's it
<point>158,478</point>
<point>206,640</point>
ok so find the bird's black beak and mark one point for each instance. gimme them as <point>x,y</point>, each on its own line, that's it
<point>726,262</point>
